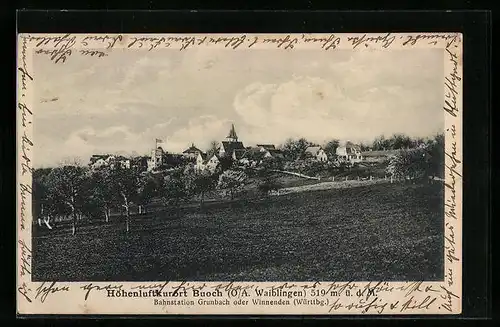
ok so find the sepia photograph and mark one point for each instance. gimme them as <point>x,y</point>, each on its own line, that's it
<point>252,165</point>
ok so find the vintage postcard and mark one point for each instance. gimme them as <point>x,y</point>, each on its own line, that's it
<point>303,174</point>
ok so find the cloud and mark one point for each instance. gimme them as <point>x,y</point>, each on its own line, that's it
<point>201,131</point>
<point>319,109</point>
<point>124,101</point>
<point>87,141</point>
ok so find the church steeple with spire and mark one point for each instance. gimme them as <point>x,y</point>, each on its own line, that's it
<point>232,137</point>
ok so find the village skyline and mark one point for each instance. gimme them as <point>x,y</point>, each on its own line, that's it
<point>163,144</point>
<point>194,96</point>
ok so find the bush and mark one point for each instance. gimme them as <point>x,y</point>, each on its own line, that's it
<point>269,184</point>
<point>411,163</point>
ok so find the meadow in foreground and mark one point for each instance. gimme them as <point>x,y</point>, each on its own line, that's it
<point>390,232</point>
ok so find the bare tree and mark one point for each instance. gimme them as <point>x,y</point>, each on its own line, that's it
<point>177,188</point>
<point>203,183</point>
<point>149,187</point>
<point>126,184</point>
<point>331,148</point>
<point>213,148</point>
<point>231,181</point>
<point>67,183</point>
<point>44,201</point>
<point>101,190</point>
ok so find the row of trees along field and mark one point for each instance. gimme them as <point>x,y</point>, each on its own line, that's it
<point>72,192</point>
<point>419,162</point>
<point>295,148</point>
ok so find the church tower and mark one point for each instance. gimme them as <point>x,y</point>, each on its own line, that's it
<point>232,137</point>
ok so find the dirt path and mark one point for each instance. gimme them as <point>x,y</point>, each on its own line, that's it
<point>295,174</point>
<point>328,186</point>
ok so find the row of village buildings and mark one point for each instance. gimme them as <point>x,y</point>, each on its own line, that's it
<point>250,156</point>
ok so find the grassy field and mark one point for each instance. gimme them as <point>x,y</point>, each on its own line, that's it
<point>375,232</point>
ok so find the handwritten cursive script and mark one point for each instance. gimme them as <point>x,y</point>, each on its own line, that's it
<point>25,190</point>
<point>58,48</point>
<point>451,83</point>
<point>25,252</point>
<point>385,40</point>
<point>45,289</point>
<point>88,288</point>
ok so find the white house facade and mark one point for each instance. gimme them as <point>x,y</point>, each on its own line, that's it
<point>317,153</point>
<point>212,163</point>
<point>349,152</point>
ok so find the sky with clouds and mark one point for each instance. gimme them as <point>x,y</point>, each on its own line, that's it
<point>121,103</point>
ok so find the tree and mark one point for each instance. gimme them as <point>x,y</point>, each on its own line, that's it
<point>226,162</point>
<point>417,142</point>
<point>232,181</point>
<point>380,143</point>
<point>409,163</point>
<point>204,182</point>
<point>269,184</point>
<point>399,141</point>
<point>67,184</point>
<point>177,188</point>
<point>102,192</point>
<point>294,149</point>
<point>44,202</point>
<point>213,148</point>
<point>437,156</point>
<point>149,187</point>
<point>276,163</point>
<point>364,146</point>
<point>125,183</point>
<point>331,148</point>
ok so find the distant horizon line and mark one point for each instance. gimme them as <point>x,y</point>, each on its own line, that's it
<point>134,154</point>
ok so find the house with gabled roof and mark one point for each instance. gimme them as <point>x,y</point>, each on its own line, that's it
<point>264,147</point>
<point>122,161</point>
<point>378,155</point>
<point>252,157</point>
<point>226,148</point>
<point>349,152</point>
<point>238,154</point>
<point>200,162</point>
<point>192,151</point>
<point>140,163</point>
<point>98,160</point>
<point>211,163</point>
<point>275,154</point>
<point>317,153</point>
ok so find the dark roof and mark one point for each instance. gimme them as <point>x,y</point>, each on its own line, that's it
<point>351,146</point>
<point>192,149</point>
<point>276,153</point>
<point>267,146</point>
<point>239,153</point>
<point>230,146</point>
<point>96,157</point>
<point>313,150</point>
<point>253,154</point>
